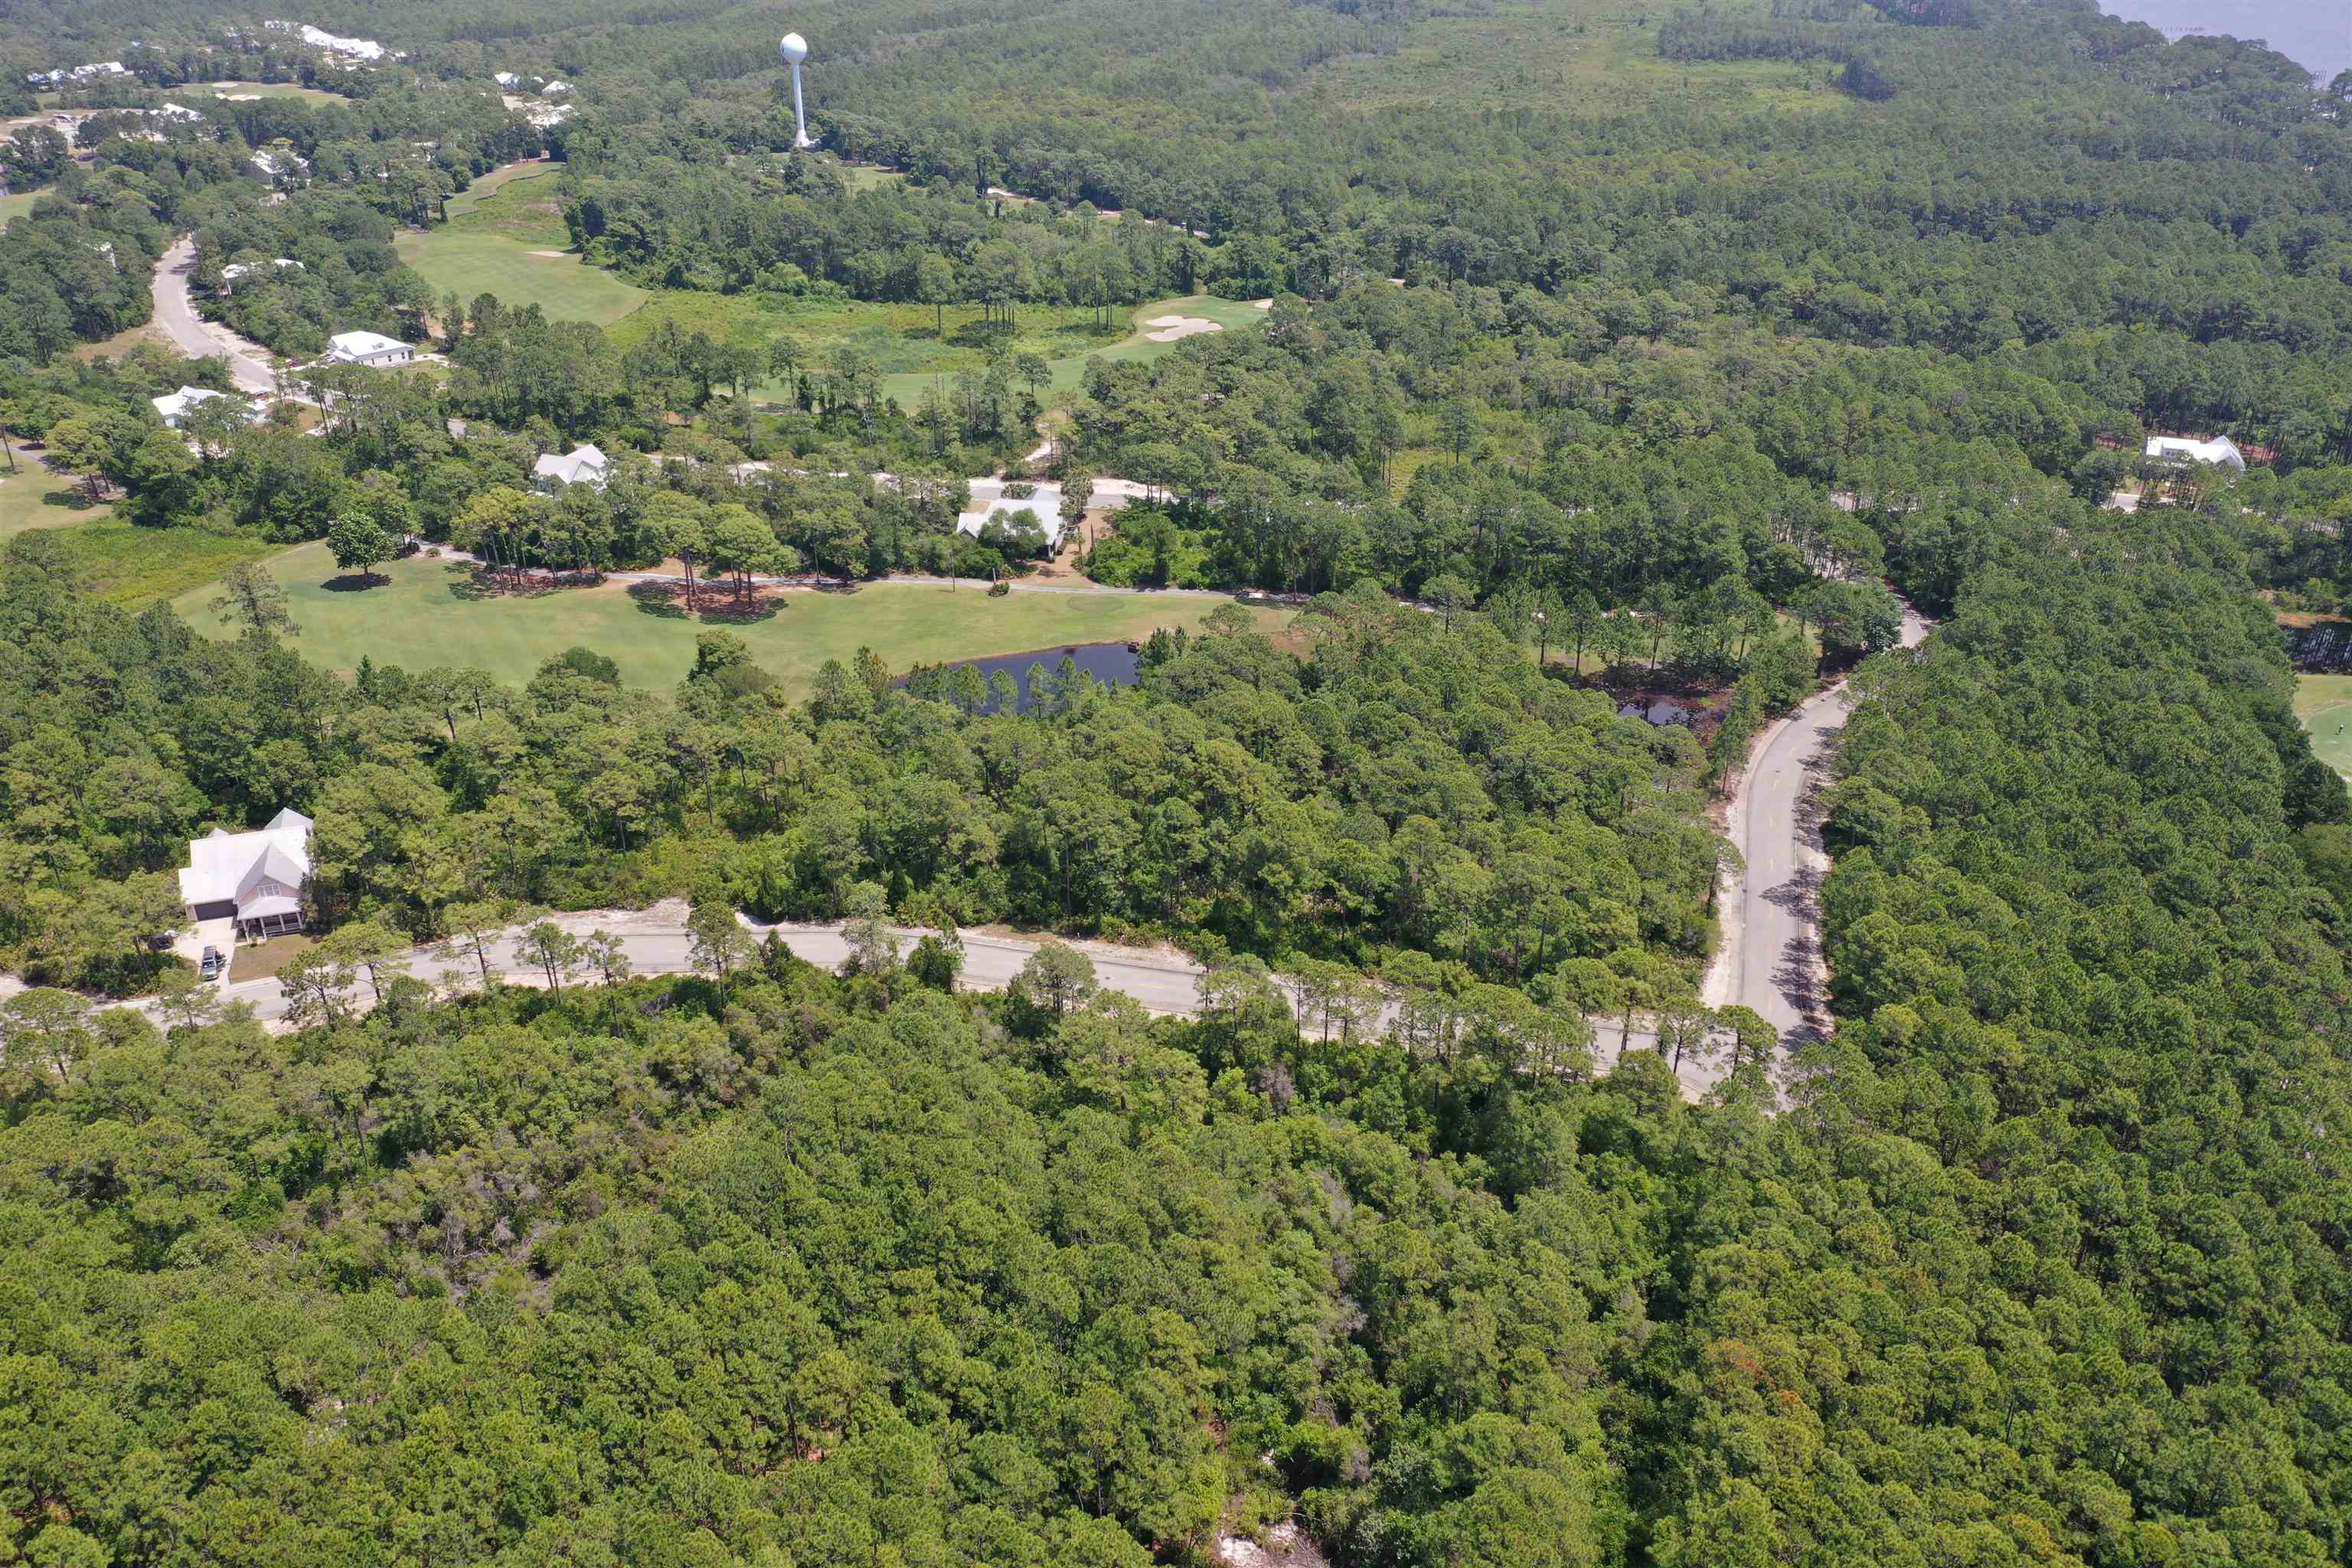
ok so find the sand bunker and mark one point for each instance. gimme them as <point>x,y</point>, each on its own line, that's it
<point>1264,304</point>
<point>1174,327</point>
<point>559,255</point>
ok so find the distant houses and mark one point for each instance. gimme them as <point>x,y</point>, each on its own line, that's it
<point>583,465</point>
<point>64,74</point>
<point>368,349</point>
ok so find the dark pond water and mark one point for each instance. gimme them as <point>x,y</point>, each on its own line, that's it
<point>1112,663</point>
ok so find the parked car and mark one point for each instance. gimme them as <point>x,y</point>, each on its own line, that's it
<point>212,964</point>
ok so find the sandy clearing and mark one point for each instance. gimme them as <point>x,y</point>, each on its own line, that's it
<point>1264,304</point>
<point>557,255</point>
<point>1174,327</point>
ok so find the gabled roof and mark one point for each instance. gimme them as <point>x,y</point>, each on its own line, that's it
<point>224,867</point>
<point>171,405</point>
<point>2220,449</point>
<point>360,345</point>
<point>582,464</point>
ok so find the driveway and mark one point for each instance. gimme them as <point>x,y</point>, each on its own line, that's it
<point>190,942</point>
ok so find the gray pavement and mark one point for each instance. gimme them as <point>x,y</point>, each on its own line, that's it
<point>1769,957</point>
<point>1162,983</point>
<point>176,314</point>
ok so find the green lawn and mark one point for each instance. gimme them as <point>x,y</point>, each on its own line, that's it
<point>257,89</point>
<point>34,497</point>
<point>866,177</point>
<point>420,618</point>
<point>498,241</point>
<point>136,567</point>
<point>2323,703</point>
<point>904,343</point>
<point>16,206</point>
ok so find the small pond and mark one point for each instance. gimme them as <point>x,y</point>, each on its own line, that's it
<point>1112,663</point>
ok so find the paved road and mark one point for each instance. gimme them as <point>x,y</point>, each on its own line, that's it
<point>248,363</point>
<point>1162,984</point>
<point>1769,957</point>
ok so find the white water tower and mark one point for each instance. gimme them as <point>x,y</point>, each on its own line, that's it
<point>794,49</point>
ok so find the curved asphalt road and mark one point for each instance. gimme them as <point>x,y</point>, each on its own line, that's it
<point>176,314</point>
<point>1769,957</point>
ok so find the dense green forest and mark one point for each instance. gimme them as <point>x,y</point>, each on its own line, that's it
<point>1631,349</point>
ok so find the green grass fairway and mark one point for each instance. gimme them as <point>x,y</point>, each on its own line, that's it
<point>257,89</point>
<point>904,343</point>
<point>417,620</point>
<point>866,177</point>
<point>16,206</point>
<point>533,213</point>
<point>34,497</point>
<point>2323,703</point>
<point>496,241</point>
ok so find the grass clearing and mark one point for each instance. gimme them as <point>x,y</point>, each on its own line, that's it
<point>123,342</point>
<point>258,90</point>
<point>904,340</point>
<point>36,495</point>
<point>2323,703</point>
<point>17,204</point>
<point>135,567</point>
<point>866,177</point>
<point>1535,54</point>
<point>422,616</point>
<point>494,242</point>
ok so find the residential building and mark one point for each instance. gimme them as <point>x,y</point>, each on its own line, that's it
<point>174,406</point>
<point>257,879</point>
<point>236,270</point>
<point>2221,450</point>
<point>583,465</point>
<point>368,348</point>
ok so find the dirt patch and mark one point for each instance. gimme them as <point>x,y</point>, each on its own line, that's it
<point>716,601</point>
<point>1172,328</point>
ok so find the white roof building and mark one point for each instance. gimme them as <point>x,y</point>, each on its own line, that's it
<point>368,348</point>
<point>256,876</point>
<point>282,165</point>
<point>555,87</point>
<point>1044,507</point>
<point>2220,449</point>
<point>583,465</point>
<point>81,73</point>
<point>505,78</point>
<point>319,39</point>
<point>174,406</point>
<point>237,270</point>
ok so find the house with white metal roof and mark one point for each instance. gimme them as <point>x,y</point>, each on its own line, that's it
<point>368,348</point>
<point>583,465</point>
<point>2221,450</point>
<point>174,406</point>
<point>256,877</point>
